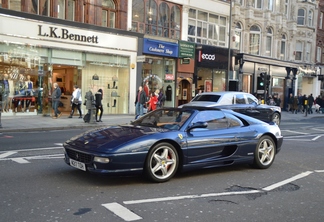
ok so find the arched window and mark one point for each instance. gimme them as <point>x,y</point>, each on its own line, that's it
<point>310,18</point>
<point>283,48</point>
<point>108,16</point>
<point>151,17</point>
<point>269,42</point>
<point>175,22</point>
<point>301,17</point>
<point>238,36</point>
<point>255,36</point>
<point>164,20</point>
<point>138,16</point>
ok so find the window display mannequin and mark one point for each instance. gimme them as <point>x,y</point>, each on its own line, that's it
<point>20,93</point>
<point>29,91</point>
<point>6,92</point>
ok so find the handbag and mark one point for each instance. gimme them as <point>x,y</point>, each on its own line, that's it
<point>76,101</point>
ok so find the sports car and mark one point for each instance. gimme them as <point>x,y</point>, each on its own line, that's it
<point>168,140</point>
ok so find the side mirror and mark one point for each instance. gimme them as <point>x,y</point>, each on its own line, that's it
<point>198,125</point>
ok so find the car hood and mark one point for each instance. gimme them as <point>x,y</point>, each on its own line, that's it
<point>110,137</point>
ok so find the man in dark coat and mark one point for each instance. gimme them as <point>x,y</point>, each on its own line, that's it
<point>140,101</point>
<point>56,97</point>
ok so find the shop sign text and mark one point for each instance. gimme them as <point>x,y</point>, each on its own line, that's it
<point>64,34</point>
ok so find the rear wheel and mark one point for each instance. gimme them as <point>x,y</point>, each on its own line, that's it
<point>265,152</point>
<point>276,118</point>
<point>161,163</point>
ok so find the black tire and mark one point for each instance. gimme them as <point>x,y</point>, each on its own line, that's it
<point>162,163</point>
<point>265,153</point>
<point>276,118</point>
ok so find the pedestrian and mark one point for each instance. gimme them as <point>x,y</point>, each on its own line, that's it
<point>152,103</point>
<point>305,104</point>
<point>161,98</point>
<point>99,108</point>
<point>140,101</point>
<point>56,96</point>
<point>277,100</point>
<point>300,103</point>
<point>76,101</point>
<point>290,102</point>
<point>310,104</point>
<point>295,105</point>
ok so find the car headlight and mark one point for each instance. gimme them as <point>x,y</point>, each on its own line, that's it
<point>101,159</point>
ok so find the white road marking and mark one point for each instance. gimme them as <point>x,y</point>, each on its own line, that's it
<point>37,149</point>
<point>297,177</point>
<point>119,210</point>
<point>6,154</point>
<point>291,131</point>
<point>19,160</point>
<point>315,138</point>
<point>58,144</point>
<point>122,211</point>
<point>189,197</point>
<point>317,129</point>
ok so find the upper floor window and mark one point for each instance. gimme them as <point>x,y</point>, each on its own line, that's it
<point>308,51</point>
<point>206,28</point>
<point>60,8</point>
<point>283,48</point>
<point>108,14</point>
<point>310,18</point>
<point>301,17</point>
<point>268,42</point>
<point>241,2</point>
<point>156,17</point>
<point>286,8</point>
<point>70,10</point>
<point>270,5</point>
<point>257,4</point>
<point>14,5</point>
<point>299,51</point>
<point>255,36</point>
<point>238,37</point>
<point>320,23</point>
<point>318,54</point>
<point>40,7</point>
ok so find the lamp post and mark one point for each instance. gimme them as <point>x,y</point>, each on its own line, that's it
<point>229,48</point>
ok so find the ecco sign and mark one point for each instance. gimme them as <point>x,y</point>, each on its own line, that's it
<point>208,56</point>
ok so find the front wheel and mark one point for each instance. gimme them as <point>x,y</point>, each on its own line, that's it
<point>161,163</point>
<point>265,152</point>
<point>276,118</point>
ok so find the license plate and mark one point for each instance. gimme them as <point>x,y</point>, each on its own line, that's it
<point>78,165</point>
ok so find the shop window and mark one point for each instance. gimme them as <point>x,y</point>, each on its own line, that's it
<point>155,17</point>
<point>255,36</point>
<point>108,17</point>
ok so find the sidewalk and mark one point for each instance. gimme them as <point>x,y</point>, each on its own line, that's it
<point>39,123</point>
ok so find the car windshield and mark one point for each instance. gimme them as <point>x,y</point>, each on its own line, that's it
<point>164,118</point>
<point>207,98</point>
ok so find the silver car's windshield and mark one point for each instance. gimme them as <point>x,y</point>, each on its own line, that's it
<point>207,98</point>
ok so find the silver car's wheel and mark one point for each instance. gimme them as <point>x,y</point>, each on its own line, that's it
<point>264,153</point>
<point>276,118</point>
<point>162,162</point>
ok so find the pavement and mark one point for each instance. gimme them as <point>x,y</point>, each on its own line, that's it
<point>25,123</point>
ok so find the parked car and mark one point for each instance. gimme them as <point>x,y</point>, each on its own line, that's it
<point>169,140</point>
<point>241,102</point>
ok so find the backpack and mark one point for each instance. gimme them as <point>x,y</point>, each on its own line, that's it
<point>86,118</point>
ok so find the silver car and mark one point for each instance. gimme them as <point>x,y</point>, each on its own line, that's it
<point>241,102</point>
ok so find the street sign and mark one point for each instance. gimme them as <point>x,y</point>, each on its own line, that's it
<point>140,58</point>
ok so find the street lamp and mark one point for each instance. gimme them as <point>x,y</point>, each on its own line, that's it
<point>229,48</point>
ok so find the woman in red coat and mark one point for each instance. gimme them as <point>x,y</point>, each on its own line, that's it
<point>152,103</point>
